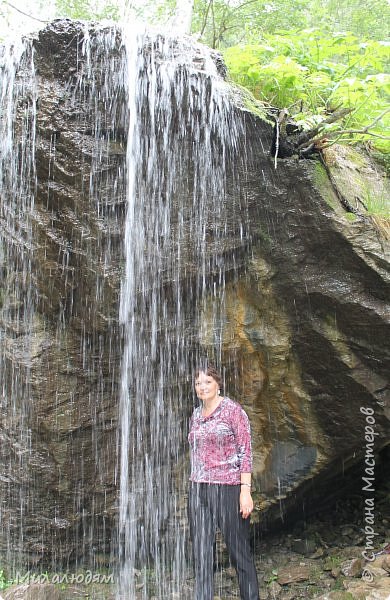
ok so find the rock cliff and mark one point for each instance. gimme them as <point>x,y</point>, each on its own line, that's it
<point>304,332</point>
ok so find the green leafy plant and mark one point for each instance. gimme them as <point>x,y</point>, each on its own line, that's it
<point>314,73</point>
<point>223,23</point>
<point>273,576</point>
<point>87,10</point>
<point>4,581</point>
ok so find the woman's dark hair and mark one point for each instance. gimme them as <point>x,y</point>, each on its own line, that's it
<point>211,371</point>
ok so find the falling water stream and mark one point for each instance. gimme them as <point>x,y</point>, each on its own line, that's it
<point>17,291</point>
<point>163,100</point>
<point>128,257</point>
<point>180,133</point>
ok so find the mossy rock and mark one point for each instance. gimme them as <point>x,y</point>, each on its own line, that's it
<point>359,179</point>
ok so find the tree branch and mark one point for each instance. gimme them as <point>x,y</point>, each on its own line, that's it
<point>205,17</point>
<point>371,125</point>
<point>235,8</point>
<point>24,13</point>
<point>307,137</point>
<point>364,131</point>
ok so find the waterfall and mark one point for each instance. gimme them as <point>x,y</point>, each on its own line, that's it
<point>137,239</point>
<point>17,291</point>
<point>181,133</point>
<point>119,257</point>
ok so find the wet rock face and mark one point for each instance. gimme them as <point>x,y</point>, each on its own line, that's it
<point>312,317</point>
<point>304,327</point>
<point>68,353</point>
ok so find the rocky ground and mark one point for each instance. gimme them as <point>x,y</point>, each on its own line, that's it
<point>319,558</point>
<point>323,558</point>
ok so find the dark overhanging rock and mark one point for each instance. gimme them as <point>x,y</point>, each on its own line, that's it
<point>306,346</point>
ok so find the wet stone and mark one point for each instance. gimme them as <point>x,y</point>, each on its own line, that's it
<point>385,562</point>
<point>293,573</point>
<point>274,589</point>
<point>378,572</point>
<point>288,595</point>
<point>319,553</point>
<point>352,568</point>
<point>303,546</point>
<point>33,592</point>
<point>379,589</point>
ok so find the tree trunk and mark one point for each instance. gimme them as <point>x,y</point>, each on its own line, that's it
<point>183,15</point>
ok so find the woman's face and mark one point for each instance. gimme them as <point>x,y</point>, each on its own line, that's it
<point>206,387</point>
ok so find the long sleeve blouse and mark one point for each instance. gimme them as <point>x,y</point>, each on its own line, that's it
<point>220,444</point>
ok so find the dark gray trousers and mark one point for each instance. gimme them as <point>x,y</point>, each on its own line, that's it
<point>211,506</point>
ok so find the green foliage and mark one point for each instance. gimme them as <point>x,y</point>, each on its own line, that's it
<point>223,23</point>
<point>369,19</point>
<point>377,205</point>
<point>4,581</point>
<point>275,49</point>
<point>88,10</point>
<point>152,12</point>
<point>273,576</point>
<point>314,73</point>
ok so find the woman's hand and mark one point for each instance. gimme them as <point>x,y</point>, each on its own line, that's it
<point>246,502</point>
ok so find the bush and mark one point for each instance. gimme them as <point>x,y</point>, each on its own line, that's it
<point>314,73</point>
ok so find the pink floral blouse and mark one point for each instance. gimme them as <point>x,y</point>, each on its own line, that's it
<point>220,444</point>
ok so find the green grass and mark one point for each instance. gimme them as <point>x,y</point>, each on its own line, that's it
<point>377,205</point>
<point>4,581</point>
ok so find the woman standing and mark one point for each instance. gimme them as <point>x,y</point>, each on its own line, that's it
<point>220,489</point>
